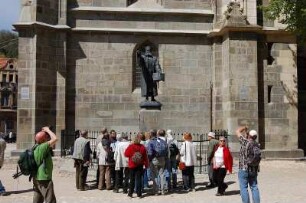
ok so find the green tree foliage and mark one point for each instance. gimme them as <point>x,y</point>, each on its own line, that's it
<point>8,44</point>
<point>289,12</point>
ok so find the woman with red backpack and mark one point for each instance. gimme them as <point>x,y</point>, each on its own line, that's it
<point>138,158</point>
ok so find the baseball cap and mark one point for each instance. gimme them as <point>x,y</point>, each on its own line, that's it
<point>211,134</point>
<point>253,133</point>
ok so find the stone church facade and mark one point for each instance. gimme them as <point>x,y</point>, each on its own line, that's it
<point>224,66</point>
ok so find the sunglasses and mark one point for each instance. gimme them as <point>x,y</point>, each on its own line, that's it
<point>222,140</point>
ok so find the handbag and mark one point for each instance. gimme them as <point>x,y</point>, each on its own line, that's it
<point>158,76</point>
<point>182,165</point>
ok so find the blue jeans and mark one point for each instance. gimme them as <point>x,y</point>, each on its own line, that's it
<point>247,178</point>
<point>146,178</point>
<point>157,168</point>
<point>2,189</point>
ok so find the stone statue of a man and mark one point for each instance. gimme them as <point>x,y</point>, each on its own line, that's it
<point>149,66</point>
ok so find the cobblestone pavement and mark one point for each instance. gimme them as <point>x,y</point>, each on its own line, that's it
<point>279,182</point>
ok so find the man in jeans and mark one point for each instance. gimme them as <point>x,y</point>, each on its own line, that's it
<point>158,153</point>
<point>247,175</point>
<point>43,184</point>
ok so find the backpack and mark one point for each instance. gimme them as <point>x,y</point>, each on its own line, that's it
<point>27,164</point>
<point>110,156</point>
<point>160,148</point>
<point>137,158</point>
<point>253,154</point>
<point>173,150</point>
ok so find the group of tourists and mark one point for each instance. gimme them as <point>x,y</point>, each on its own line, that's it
<point>156,156</point>
<point>151,156</point>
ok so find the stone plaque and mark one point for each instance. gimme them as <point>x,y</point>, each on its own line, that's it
<point>24,93</point>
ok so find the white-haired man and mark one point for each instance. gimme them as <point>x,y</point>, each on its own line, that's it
<point>81,156</point>
<point>210,154</point>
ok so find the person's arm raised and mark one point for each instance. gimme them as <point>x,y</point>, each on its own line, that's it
<point>53,137</point>
<point>240,130</point>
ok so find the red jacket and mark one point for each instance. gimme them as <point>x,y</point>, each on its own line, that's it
<point>227,158</point>
<point>132,148</point>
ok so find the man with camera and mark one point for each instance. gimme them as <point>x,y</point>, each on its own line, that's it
<point>247,173</point>
<point>43,184</point>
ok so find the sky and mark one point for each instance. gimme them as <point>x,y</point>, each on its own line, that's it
<point>9,13</point>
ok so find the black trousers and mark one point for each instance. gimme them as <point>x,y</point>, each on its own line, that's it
<point>219,175</point>
<point>136,175</point>
<point>188,177</point>
<point>122,178</point>
<point>81,174</point>
<point>113,175</point>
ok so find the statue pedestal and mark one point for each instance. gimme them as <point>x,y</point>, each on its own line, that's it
<point>149,119</point>
<point>150,105</point>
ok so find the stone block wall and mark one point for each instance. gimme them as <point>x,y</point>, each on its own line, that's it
<point>172,4</point>
<point>103,3</point>
<point>281,103</point>
<point>100,72</point>
<point>47,11</point>
<point>42,72</point>
<point>140,21</point>
<point>26,74</point>
<point>187,4</point>
<point>217,69</point>
<point>239,82</point>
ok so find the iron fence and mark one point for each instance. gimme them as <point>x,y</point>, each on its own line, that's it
<point>200,140</point>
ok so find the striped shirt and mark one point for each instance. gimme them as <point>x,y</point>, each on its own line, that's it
<point>242,154</point>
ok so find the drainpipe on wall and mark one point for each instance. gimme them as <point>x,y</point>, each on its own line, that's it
<point>211,106</point>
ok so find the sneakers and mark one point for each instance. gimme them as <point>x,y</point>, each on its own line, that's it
<point>220,194</point>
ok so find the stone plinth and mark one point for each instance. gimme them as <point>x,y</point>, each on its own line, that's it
<point>149,119</point>
<point>150,105</point>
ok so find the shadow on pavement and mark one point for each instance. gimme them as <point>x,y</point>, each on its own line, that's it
<point>202,183</point>
<point>19,191</point>
<point>230,182</point>
<point>233,192</point>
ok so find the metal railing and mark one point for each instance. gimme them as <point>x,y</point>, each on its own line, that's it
<point>200,141</point>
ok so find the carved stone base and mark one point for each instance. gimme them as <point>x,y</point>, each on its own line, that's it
<point>149,119</point>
